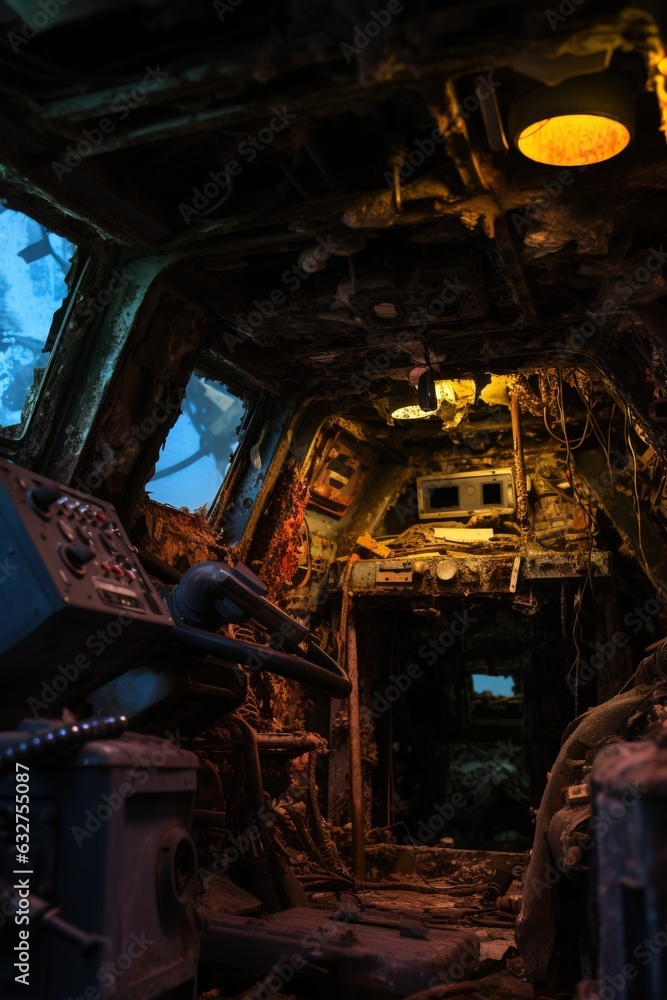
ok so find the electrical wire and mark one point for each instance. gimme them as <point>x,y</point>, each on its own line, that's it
<point>492,916</point>
<point>588,514</point>
<point>576,625</point>
<point>628,440</point>
<point>588,519</point>
<point>61,739</point>
<point>289,174</point>
<point>560,441</point>
<point>598,433</point>
<point>611,424</point>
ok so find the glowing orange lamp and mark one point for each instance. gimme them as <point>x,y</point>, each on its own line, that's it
<point>584,120</point>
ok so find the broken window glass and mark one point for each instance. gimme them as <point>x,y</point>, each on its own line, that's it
<point>496,695</point>
<point>34,264</point>
<point>200,446</point>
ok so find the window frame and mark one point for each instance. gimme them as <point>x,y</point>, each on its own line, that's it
<point>59,322</point>
<point>212,367</point>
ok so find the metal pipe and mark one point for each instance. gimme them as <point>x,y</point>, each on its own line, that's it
<point>159,568</point>
<point>252,763</point>
<point>519,465</point>
<point>355,756</point>
<point>288,741</point>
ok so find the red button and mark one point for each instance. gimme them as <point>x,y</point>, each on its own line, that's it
<point>100,517</point>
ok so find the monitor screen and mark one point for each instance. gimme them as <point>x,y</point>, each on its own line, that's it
<point>492,494</point>
<point>444,498</point>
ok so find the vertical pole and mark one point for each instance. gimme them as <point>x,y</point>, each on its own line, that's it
<point>356,770</point>
<point>519,465</point>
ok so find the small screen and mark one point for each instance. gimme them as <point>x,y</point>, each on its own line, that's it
<point>120,598</point>
<point>443,497</point>
<point>492,493</point>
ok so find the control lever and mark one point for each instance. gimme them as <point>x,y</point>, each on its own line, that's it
<point>328,677</point>
<point>46,917</point>
<point>210,594</point>
<point>42,498</point>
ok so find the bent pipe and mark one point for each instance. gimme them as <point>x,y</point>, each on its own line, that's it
<point>333,682</point>
<point>315,654</point>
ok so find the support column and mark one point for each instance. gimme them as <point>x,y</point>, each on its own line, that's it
<point>355,755</point>
<point>519,466</point>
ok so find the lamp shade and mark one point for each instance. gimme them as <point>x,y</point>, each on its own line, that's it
<point>584,120</point>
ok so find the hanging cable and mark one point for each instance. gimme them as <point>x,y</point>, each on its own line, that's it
<point>573,447</point>
<point>635,501</point>
<point>588,520</point>
<point>596,429</point>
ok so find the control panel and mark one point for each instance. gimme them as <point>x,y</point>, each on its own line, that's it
<point>76,602</point>
<point>465,493</point>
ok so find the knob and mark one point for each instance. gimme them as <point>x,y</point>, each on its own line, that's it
<point>446,569</point>
<point>43,497</point>
<point>79,554</point>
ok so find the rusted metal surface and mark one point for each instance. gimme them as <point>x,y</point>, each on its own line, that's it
<point>340,471</point>
<point>519,466</point>
<point>367,957</point>
<point>176,537</point>
<point>288,703</point>
<point>490,573</point>
<point>279,537</point>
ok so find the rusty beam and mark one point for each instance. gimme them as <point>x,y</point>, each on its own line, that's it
<point>519,466</point>
<point>355,755</point>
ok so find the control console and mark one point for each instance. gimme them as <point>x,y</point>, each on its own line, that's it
<point>70,586</point>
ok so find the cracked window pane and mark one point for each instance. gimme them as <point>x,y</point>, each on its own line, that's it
<point>200,446</point>
<point>34,263</point>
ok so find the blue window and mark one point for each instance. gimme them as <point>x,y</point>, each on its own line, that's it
<point>33,269</point>
<point>498,685</point>
<point>200,446</point>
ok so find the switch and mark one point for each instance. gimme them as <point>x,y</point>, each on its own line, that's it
<point>65,531</point>
<point>108,544</point>
<point>85,534</point>
<point>43,497</point>
<point>79,554</point>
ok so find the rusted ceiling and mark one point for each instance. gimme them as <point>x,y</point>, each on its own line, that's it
<point>254,150</point>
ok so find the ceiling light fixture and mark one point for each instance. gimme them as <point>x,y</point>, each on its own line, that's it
<point>584,120</point>
<point>406,405</point>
